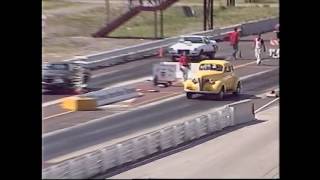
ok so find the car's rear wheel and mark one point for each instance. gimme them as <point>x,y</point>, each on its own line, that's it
<point>155,80</point>
<point>189,95</point>
<point>221,93</point>
<point>238,89</point>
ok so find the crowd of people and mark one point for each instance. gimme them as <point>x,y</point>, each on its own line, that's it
<point>234,38</point>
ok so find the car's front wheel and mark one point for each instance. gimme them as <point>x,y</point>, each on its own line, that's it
<point>238,89</point>
<point>212,55</point>
<point>221,93</point>
<point>199,57</point>
<point>189,95</point>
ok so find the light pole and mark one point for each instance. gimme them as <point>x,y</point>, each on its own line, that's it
<point>108,11</point>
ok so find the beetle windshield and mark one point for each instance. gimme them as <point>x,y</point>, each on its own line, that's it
<point>55,67</point>
<point>210,67</point>
<point>193,39</point>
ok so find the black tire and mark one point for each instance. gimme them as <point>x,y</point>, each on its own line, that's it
<point>155,81</point>
<point>189,95</point>
<point>86,79</point>
<point>199,57</point>
<point>238,89</point>
<point>221,93</point>
<point>212,55</point>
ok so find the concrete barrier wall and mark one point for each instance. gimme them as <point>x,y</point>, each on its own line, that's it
<point>262,26</point>
<point>107,96</point>
<point>131,150</point>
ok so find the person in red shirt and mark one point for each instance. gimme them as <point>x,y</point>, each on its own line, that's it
<point>184,65</point>
<point>234,42</point>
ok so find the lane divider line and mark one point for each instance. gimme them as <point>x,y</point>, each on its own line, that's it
<point>60,114</point>
<point>266,105</point>
<point>162,97</point>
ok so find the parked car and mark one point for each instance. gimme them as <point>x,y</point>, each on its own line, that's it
<point>195,46</point>
<point>213,77</point>
<point>64,76</point>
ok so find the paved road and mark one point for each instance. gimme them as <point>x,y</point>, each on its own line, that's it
<point>137,120</point>
<point>249,152</point>
<point>137,69</point>
<point>55,118</point>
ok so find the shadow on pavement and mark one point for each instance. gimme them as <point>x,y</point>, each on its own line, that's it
<point>58,92</point>
<point>228,97</point>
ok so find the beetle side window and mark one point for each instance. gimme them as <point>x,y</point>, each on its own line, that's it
<point>227,69</point>
<point>212,67</point>
<point>193,39</point>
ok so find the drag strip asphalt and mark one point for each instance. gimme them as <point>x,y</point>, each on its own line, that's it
<point>64,142</point>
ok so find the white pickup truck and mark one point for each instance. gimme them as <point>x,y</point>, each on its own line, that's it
<point>195,46</point>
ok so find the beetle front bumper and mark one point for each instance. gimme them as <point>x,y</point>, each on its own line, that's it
<point>202,92</point>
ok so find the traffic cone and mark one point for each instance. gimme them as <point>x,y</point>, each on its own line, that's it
<point>160,52</point>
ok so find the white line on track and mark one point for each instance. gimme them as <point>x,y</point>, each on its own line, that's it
<point>266,105</point>
<point>60,114</point>
<point>102,74</point>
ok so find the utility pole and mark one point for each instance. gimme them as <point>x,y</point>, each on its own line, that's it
<point>107,11</point>
<point>211,14</point>
<point>204,15</point>
<point>161,24</point>
<point>155,24</point>
<point>207,14</point>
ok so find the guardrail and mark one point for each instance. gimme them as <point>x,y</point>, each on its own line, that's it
<point>132,150</point>
<point>140,51</point>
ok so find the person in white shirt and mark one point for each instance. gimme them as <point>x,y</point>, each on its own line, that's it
<point>258,45</point>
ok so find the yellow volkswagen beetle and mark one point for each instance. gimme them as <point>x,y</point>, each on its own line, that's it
<point>213,77</point>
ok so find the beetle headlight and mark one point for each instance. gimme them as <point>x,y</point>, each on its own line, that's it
<point>195,49</point>
<point>194,81</point>
<point>211,81</point>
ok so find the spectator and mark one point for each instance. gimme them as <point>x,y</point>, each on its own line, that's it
<point>184,65</point>
<point>258,45</point>
<point>234,41</point>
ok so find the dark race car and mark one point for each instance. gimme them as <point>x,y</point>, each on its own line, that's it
<point>64,76</point>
